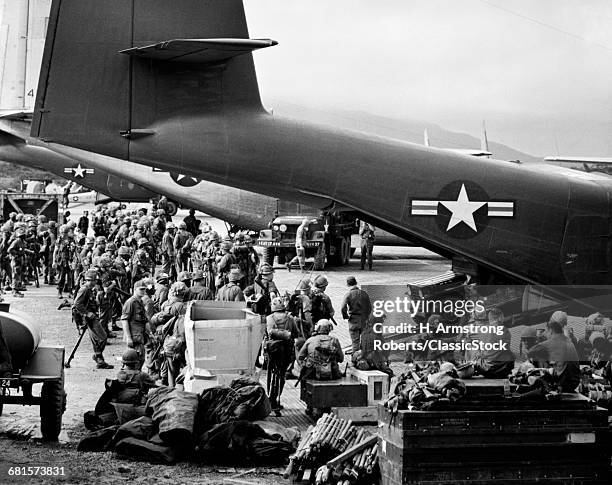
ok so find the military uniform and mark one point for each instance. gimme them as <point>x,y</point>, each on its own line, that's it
<point>85,313</point>
<point>230,292</point>
<point>17,251</point>
<point>135,315</point>
<point>356,308</point>
<point>168,254</point>
<point>182,248</point>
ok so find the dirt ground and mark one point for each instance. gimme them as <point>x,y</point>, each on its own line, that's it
<point>84,384</point>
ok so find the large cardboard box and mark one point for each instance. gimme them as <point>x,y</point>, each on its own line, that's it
<point>222,338</point>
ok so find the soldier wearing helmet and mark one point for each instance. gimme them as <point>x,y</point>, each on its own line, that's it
<point>123,265</point>
<point>320,301</point>
<point>85,314</point>
<point>198,290</point>
<point>263,286</point>
<point>300,238</point>
<point>321,354</point>
<point>162,288</point>
<point>5,260</point>
<point>252,260</point>
<point>182,247</point>
<point>18,251</point>
<point>224,264</point>
<point>231,291</point>
<point>281,331</point>
<point>168,251</point>
<point>141,261</point>
<point>133,384</point>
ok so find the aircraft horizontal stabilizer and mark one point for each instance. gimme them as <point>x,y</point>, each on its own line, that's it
<point>198,50</point>
<point>15,115</point>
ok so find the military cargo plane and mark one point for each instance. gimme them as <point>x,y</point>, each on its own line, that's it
<point>181,95</point>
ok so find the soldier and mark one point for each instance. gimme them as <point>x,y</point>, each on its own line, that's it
<point>356,308</point>
<point>198,289</point>
<point>182,247</point>
<point>224,264</point>
<point>231,291</point>
<point>168,252</point>
<point>63,258</point>
<point>46,253</point>
<point>123,266</point>
<point>321,303</point>
<point>98,250</point>
<point>5,260</point>
<point>263,290</point>
<point>158,226</point>
<point>17,251</point>
<point>161,290</point>
<point>252,262</point>
<point>141,262</point>
<point>300,238</point>
<point>321,354</point>
<point>134,321</point>
<point>192,224</point>
<point>366,231</point>
<point>84,223</point>
<point>85,313</point>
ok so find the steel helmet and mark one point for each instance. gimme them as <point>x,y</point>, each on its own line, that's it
<point>101,240</point>
<point>111,246</point>
<point>235,275</point>
<point>182,225</point>
<point>130,356</point>
<point>321,281</point>
<point>265,268</point>
<point>123,251</point>
<point>161,212</point>
<point>91,274</point>
<point>226,245</point>
<point>63,229</point>
<point>178,290</point>
<point>90,239</point>
<point>304,285</point>
<point>278,305</point>
<point>596,336</point>
<point>143,241</point>
<point>104,261</point>
<point>171,225</point>
<point>20,232</point>
<point>323,326</point>
<point>184,276</point>
<point>162,277</point>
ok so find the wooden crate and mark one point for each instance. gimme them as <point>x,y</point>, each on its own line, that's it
<point>501,445</point>
<point>337,393</point>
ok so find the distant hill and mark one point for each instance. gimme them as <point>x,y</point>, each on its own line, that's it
<point>12,174</point>
<point>408,130</point>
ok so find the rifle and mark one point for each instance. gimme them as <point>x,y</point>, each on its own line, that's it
<point>305,372</point>
<point>82,331</point>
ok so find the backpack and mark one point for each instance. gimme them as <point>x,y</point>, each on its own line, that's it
<point>319,308</point>
<point>324,358</point>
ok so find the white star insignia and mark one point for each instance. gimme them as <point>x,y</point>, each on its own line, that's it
<point>462,210</point>
<point>78,171</point>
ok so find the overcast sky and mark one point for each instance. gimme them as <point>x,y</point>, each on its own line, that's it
<point>538,71</point>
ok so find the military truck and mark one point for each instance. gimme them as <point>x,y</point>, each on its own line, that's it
<point>33,365</point>
<point>328,239</point>
<point>35,204</point>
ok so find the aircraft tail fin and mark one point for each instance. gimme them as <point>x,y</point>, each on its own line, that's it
<point>113,69</point>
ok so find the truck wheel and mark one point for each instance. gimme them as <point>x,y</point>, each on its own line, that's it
<point>319,259</point>
<point>268,256</point>
<point>52,406</point>
<point>345,251</point>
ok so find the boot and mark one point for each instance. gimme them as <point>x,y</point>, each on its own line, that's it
<point>46,281</point>
<point>16,294</point>
<point>101,363</point>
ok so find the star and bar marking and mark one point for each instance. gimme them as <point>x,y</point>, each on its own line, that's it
<point>78,171</point>
<point>462,209</point>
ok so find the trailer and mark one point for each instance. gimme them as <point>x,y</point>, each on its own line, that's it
<point>33,365</point>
